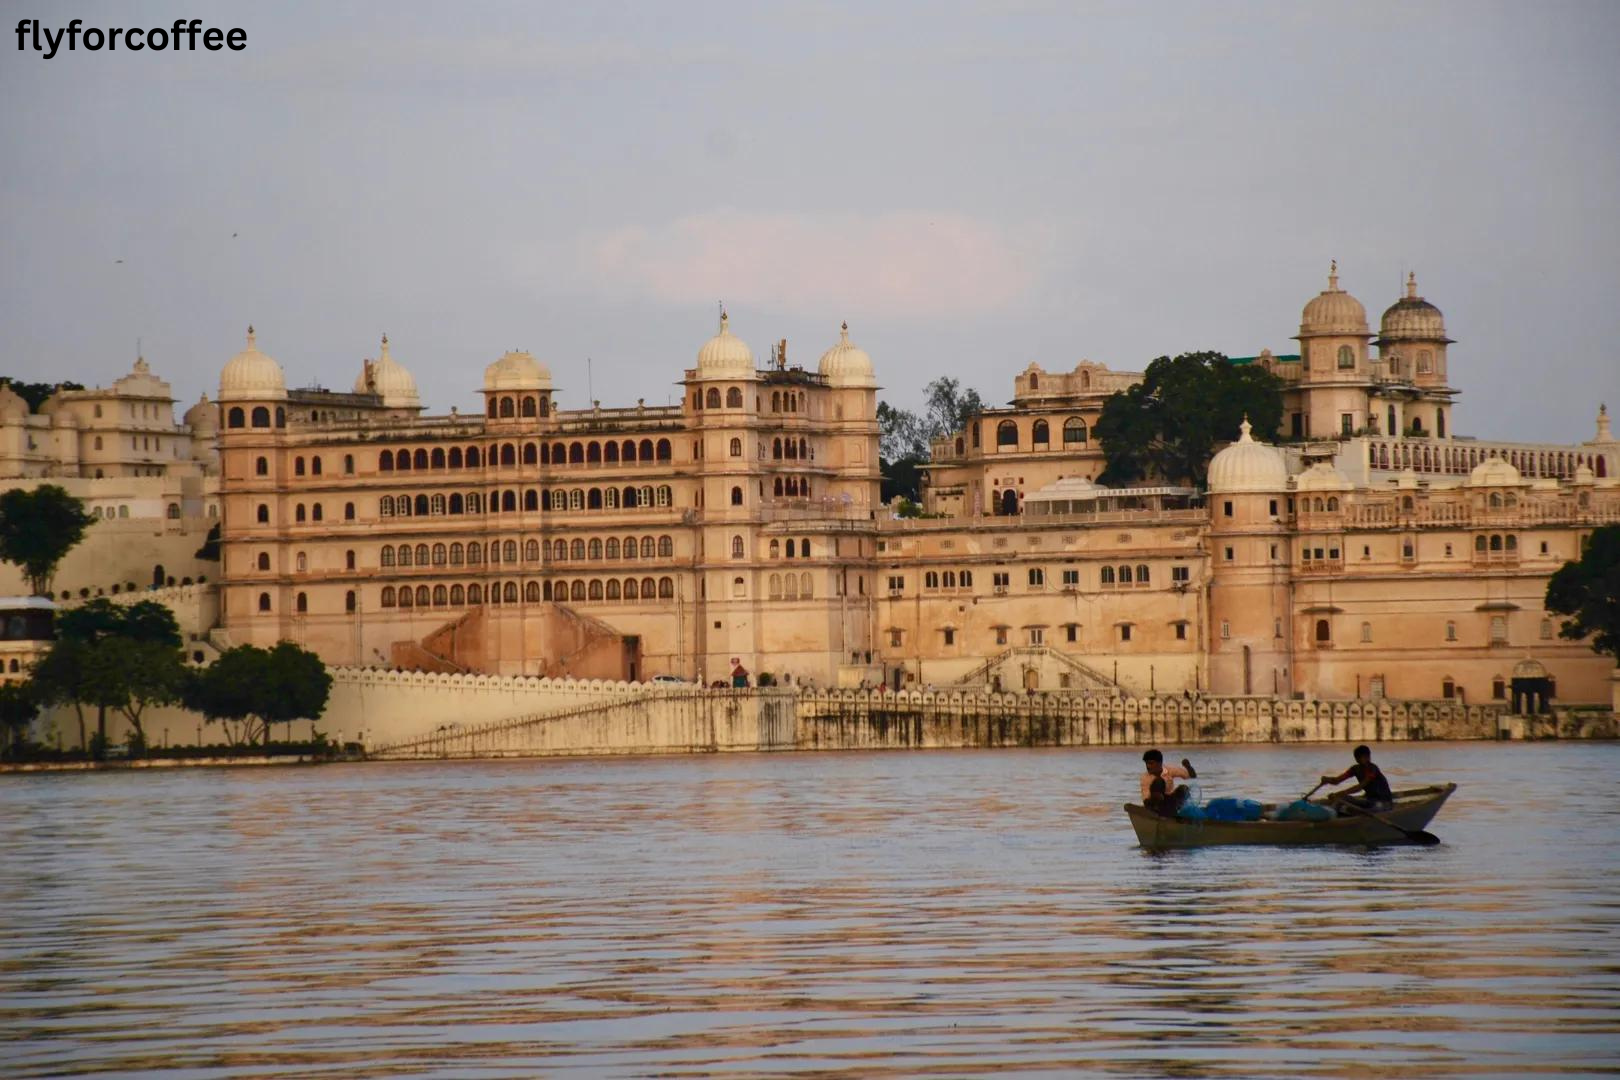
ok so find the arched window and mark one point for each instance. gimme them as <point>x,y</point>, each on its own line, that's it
<point>739,588</point>
<point>475,553</point>
<point>593,498</point>
<point>1332,504</point>
<point>475,594</point>
<point>1324,632</point>
<point>260,467</point>
<point>531,499</point>
<point>1040,434</point>
<point>645,449</point>
<point>419,460</point>
<point>387,596</point>
<point>736,496</point>
<point>737,547</point>
<point>611,548</point>
<point>261,418</point>
<point>436,504</point>
<point>666,547</point>
<point>734,398</point>
<point>1108,575</point>
<point>494,408</point>
<point>458,596</point>
<point>507,411</point>
<point>1142,574</point>
<point>664,496</point>
<point>234,418</point>
<point>629,452</point>
<point>1124,573</point>
<point>264,560</point>
<point>712,398</point>
<point>805,589</point>
<point>630,547</point>
<point>576,550</point>
<point>531,551</point>
<point>736,448</point>
<point>423,597</point>
<point>419,506</point>
<point>473,457</point>
<point>529,408</point>
<point>457,554</point>
<point>1006,434</point>
<point>349,601</point>
<point>421,554</point>
<point>531,590</point>
<point>264,601</point>
<point>1347,357</point>
<point>440,554</point>
<point>576,591</point>
<point>301,604</point>
<point>264,514</point>
<point>666,588</point>
<point>455,457</point>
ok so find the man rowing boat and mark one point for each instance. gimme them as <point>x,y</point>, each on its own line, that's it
<point>1174,794</point>
<point>1370,781</point>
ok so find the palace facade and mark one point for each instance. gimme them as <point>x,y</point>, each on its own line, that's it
<point>1375,552</point>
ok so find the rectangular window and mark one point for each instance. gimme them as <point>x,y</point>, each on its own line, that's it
<point>1181,631</point>
<point>1226,508</point>
<point>1228,554</point>
<point>1001,635</point>
<point>1183,574</point>
<point>1072,631</point>
<point>999,581</point>
<point>950,636</point>
<point>1499,630</point>
<point>1037,577</point>
<point>1071,579</point>
<point>894,638</point>
<point>1226,629</point>
<point>1347,423</point>
<point>1125,632</point>
<point>897,583</point>
<point>1273,510</point>
<point>1037,636</point>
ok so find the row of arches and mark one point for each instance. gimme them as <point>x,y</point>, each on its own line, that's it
<point>528,501</point>
<point>1461,460</point>
<point>508,551</point>
<point>511,455</point>
<point>610,590</point>
<point>259,417</point>
<point>790,587</point>
<point>1075,434</point>
<point>506,407</point>
<point>1124,575</point>
<point>948,579</point>
<point>790,450</point>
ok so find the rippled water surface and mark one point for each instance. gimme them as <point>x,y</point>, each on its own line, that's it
<point>951,913</point>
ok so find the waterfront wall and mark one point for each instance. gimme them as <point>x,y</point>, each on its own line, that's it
<point>414,715</point>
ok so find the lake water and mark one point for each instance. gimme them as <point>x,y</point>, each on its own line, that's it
<point>884,914</point>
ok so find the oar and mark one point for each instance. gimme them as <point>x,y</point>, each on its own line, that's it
<point>1311,792</point>
<point>1417,836</point>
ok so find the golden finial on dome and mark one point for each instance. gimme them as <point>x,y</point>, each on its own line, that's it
<point>843,332</point>
<point>724,320</point>
<point>1411,285</point>
<point>1333,276</point>
<point>250,335</point>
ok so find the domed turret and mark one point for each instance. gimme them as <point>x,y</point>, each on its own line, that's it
<point>1495,472</point>
<point>1247,465</point>
<point>389,380</point>
<point>1321,477</point>
<point>252,376</point>
<point>517,371</point>
<point>1333,311</point>
<point>847,365</point>
<point>725,356</point>
<point>1412,318</point>
<point>12,406</point>
<point>202,418</point>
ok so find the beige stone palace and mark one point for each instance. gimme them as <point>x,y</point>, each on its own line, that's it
<point>1373,552</point>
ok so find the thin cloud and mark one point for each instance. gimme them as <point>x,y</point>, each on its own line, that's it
<point>905,264</point>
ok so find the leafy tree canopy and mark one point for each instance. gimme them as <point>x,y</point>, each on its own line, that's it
<point>1167,426</point>
<point>904,436</point>
<point>248,689</point>
<point>35,393</point>
<point>39,527</point>
<point>18,706</point>
<point>146,621</point>
<point>1588,591</point>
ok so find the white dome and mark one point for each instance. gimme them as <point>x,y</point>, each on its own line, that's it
<point>1495,472</point>
<point>517,371</point>
<point>847,365</point>
<point>388,379</point>
<point>725,356</point>
<point>251,375</point>
<point>1247,465</point>
<point>1333,311</point>
<point>202,416</point>
<point>1321,477</point>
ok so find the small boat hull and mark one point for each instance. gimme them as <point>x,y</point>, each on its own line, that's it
<point>1414,809</point>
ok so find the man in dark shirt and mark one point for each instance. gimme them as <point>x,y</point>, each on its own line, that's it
<point>1370,782</point>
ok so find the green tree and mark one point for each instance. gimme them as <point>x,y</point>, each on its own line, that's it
<point>248,689</point>
<point>19,705</point>
<point>39,527</point>
<point>904,437</point>
<point>1167,426</point>
<point>35,393</point>
<point>1588,591</point>
<point>109,657</point>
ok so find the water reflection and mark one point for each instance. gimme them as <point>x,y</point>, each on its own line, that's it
<point>879,914</point>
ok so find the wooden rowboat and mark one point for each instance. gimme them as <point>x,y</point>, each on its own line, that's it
<point>1414,808</point>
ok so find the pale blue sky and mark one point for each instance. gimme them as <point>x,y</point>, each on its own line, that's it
<point>972,185</point>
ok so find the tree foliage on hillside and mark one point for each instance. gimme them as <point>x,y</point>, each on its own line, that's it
<point>35,393</point>
<point>1588,591</point>
<point>248,689</point>
<point>1167,426</point>
<point>38,528</point>
<point>903,436</point>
